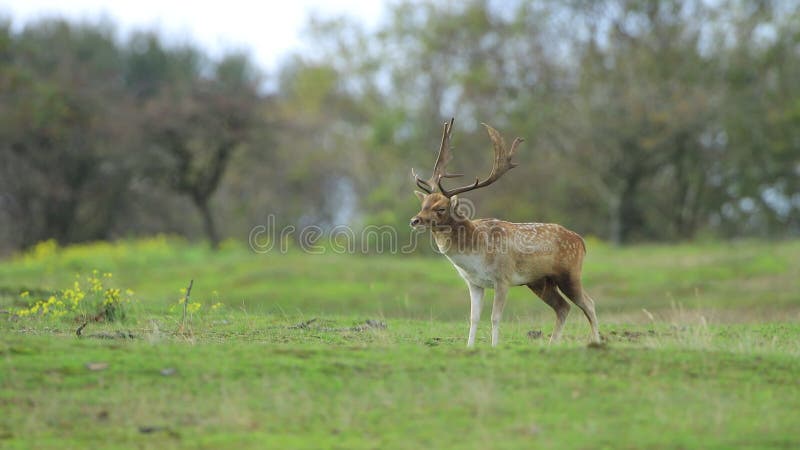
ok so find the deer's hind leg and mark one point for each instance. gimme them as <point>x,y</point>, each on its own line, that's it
<point>571,286</point>
<point>547,291</point>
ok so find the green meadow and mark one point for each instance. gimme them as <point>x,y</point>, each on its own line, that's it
<point>289,350</point>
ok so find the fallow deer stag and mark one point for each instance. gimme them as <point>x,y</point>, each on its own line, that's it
<point>491,253</point>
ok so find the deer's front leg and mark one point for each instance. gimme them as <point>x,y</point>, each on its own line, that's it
<point>500,292</point>
<point>475,301</point>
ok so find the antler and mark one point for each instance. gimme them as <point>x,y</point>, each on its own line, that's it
<point>440,168</point>
<point>502,163</point>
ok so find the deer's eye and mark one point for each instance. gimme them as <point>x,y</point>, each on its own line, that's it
<point>440,210</point>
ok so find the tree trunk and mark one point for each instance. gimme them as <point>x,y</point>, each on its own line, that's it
<point>624,214</point>
<point>209,226</point>
<point>614,224</point>
<point>629,213</point>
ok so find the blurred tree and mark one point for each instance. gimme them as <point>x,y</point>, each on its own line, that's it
<point>644,105</point>
<point>198,124</point>
<point>761,138</point>
<point>62,116</point>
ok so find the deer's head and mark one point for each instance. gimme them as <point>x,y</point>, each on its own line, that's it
<point>437,210</point>
<point>440,205</point>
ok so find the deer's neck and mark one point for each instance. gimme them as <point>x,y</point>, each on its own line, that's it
<point>457,237</point>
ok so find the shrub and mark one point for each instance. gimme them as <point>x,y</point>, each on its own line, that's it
<point>89,298</point>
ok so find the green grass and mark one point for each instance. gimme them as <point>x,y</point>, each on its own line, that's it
<point>730,281</point>
<point>702,351</point>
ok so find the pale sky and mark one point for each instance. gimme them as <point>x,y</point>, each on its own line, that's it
<point>268,29</point>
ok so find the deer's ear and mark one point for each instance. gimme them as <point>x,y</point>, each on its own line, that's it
<point>454,205</point>
<point>419,195</point>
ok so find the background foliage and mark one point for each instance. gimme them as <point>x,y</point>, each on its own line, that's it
<point>644,120</point>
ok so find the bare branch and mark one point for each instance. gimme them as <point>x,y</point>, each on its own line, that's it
<point>186,301</point>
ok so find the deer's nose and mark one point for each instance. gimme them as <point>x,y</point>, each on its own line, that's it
<point>415,221</point>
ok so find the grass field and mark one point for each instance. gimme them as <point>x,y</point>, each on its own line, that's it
<point>702,350</point>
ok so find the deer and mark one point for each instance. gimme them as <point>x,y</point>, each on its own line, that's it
<point>495,254</point>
